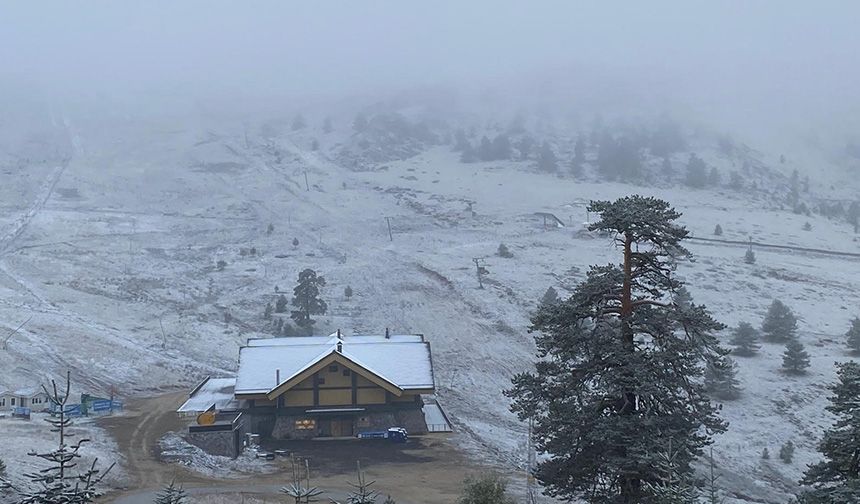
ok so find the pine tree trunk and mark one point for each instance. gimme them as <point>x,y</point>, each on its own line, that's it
<point>629,486</point>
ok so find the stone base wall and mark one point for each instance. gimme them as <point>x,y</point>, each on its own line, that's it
<point>223,443</point>
<point>411,419</point>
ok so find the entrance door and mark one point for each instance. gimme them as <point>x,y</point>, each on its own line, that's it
<point>341,427</point>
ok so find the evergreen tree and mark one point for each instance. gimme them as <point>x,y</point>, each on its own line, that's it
<point>579,150</point>
<point>171,494</point>
<point>721,379</point>
<point>735,181</point>
<point>469,154</point>
<point>2,469</point>
<point>550,297</point>
<point>360,124</point>
<point>673,485</point>
<point>485,489</point>
<point>504,251</point>
<point>795,360</point>
<point>780,324</point>
<point>281,304</point>
<point>618,375</point>
<point>697,172</point>
<point>298,122</point>
<point>547,161</point>
<point>836,479</point>
<point>853,215</point>
<point>485,149</point>
<point>306,300</point>
<point>786,452</point>
<point>347,292</point>
<point>852,337</point>
<point>461,142</point>
<point>525,146</point>
<point>807,226</point>
<point>713,494</point>
<point>682,299</point>
<point>267,313</point>
<point>501,148</point>
<point>295,242</point>
<point>714,177</point>
<point>718,230</point>
<point>745,340</point>
<point>749,256</point>
<point>60,482</point>
<point>667,170</point>
<point>765,455</point>
<point>315,145</point>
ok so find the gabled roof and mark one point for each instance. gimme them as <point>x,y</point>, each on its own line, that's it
<point>396,364</point>
<point>332,339</point>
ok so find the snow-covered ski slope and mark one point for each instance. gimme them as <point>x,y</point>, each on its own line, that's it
<point>118,269</point>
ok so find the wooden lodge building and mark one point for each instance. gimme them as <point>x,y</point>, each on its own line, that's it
<point>326,386</point>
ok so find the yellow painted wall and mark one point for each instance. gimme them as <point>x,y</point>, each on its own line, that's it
<point>299,398</point>
<point>404,398</point>
<point>370,396</point>
<point>335,397</point>
<point>335,378</point>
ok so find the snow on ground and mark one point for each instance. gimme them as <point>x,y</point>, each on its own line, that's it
<point>119,273</point>
<point>20,437</point>
<point>175,449</point>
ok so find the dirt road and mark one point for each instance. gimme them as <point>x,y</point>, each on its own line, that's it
<point>429,470</point>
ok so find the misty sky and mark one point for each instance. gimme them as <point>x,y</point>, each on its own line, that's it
<point>749,51</point>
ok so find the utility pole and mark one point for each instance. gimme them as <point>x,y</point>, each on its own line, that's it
<point>479,271</point>
<point>390,236</point>
<point>531,496</point>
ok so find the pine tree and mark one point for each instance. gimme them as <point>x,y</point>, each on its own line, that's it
<point>347,292</point>
<point>745,340</point>
<point>59,483</point>
<point>836,479</point>
<point>267,313</point>
<point>736,182</point>
<point>683,299</point>
<point>362,492</point>
<point>298,122</point>
<point>504,251</point>
<point>547,161</point>
<point>619,367</point>
<point>795,360</point>
<point>786,452</point>
<point>281,304</point>
<point>807,226</point>
<point>295,242</point>
<point>306,299</point>
<point>485,489</point>
<point>852,337</point>
<point>550,297</point>
<point>714,177</point>
<point>718,230</point>
<point>780,324</point>
<point>461,142</point>
<point>713,494</point>
<point>171,494</point>
<point>300,490</point>
<point>765,455</point>
<point>697,172</point>
<point>721,379</point>
<point>749,257</point>
<point>672,485</point>
<point>579,150</point>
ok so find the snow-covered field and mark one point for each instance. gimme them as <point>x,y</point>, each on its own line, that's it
<point>118,270</point>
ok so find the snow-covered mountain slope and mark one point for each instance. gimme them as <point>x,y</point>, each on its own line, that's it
<point>118,269</point>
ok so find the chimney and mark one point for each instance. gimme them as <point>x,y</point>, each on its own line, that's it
<point>277,377</point>
<point>387,333</point>
<point>338,333</point>
<point>340,346</point>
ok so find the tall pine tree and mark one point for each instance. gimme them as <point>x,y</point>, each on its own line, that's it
<point>745,340</point>
<point>721,381</point>
<point>795,360</point>
<point>618,375</point>
<point>780,324</point>
<point>852,337</point>
<point>836,479</point>
<point>306,300</point>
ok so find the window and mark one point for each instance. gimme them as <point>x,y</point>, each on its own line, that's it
<point>332,368</point>
<point>13,401</point>
<point>3,401</point>
<point>321,381</point>
<point>346,372</point>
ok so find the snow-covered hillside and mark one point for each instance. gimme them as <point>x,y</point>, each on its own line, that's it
<point>114,254</point>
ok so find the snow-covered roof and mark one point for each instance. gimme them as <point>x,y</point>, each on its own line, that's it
<point>217,392</point>
<point>28,392</point>
<point>332,339</point>
<point>404,362</point>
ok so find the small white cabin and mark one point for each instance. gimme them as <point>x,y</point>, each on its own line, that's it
<point>34,399</point>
